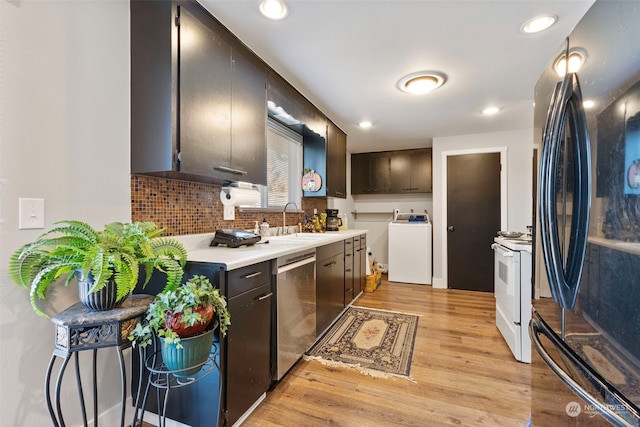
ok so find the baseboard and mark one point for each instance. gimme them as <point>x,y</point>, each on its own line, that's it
<point>111,417</point>
<point>439,283</point>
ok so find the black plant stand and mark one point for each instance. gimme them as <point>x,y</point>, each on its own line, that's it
<point>165,380</point>
<point>78,329</point>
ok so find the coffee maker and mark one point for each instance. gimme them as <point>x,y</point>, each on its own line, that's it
<point>333,222</point>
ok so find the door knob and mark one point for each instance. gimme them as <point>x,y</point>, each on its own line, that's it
<point>450,228</point>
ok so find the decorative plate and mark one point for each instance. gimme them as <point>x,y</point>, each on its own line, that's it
<point>311,181</point>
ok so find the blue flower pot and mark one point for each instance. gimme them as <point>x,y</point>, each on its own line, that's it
<point>188,360</point>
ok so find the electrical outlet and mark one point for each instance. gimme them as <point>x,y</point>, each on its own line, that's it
<point>31,213</point>
<point>229,213</point>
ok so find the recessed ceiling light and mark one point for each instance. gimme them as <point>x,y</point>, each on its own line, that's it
<point>274,9</point>
<point>421,82</point>
<point>490,111</point>
<point>365,124</point>
<point>588,104</point>
<point>577,58</point>
<point>539,23</point>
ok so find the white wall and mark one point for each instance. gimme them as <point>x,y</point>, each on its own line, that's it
<point>64,137</point>
<point>377,222</point>
<point>519,145</point>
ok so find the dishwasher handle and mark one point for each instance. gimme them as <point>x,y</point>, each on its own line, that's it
<point>296,264</point>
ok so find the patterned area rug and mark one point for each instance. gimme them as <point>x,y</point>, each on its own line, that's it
<point>375,342</point>
<point>608,361</point>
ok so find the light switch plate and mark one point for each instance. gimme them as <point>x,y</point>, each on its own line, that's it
<point>31,213</point>
<point>229,213</point>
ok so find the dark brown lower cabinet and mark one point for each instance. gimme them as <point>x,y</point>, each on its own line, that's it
<point>248,358</point>
<point>329,284</point>
<point>349,270</point>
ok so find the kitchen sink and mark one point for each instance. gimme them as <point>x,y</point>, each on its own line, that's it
<point>298,237</point>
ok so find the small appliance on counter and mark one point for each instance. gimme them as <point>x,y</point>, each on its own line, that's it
<point>333,220</point>
<point>234,238</point>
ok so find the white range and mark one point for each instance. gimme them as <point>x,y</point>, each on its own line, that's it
<point>513,293</point>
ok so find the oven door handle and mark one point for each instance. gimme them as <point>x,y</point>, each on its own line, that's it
<point>538,326</point>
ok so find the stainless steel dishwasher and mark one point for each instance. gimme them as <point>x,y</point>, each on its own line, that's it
<point>296,308</point>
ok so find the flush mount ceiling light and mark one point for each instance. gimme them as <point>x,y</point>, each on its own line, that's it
<point>490,111</point>
<point>539,23</point>
<point>577,58</point>
<point>365,124</point>
<point>274,9</point>
<point>421,82</point>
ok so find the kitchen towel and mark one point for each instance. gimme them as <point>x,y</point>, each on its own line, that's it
<point>233,196</point>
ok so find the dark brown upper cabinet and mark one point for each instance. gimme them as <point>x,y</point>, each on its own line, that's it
<point>391,172</point>
<point>324,143</point>
<point>411,171</point>
<point>371,173</point>
<point>198,97</point>
<point>199,102</point>
<point>336,161</point>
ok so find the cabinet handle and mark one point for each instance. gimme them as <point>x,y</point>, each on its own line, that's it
<point>330,264</point>
<point>348,270</point>
<point>230,170</point>
<point>252,275</point>
<point>347,254</point>
<point>264,297</point>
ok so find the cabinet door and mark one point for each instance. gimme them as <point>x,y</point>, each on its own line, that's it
<point>329,290</point>
<point>400,166</point>
<point>380,173</point>
<point>349,269</point>
<point>370,173</point>
<point>359,173</point>
<point>248,120</point>
<point>336,162</point>
<point>421,171</point>
<point>359,260</point>
<point>152,146</point>
<point>411,171</point>
<point>204,96</point>
<point>248,356</point>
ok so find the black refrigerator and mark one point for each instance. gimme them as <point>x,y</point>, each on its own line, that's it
<point>586,308</point>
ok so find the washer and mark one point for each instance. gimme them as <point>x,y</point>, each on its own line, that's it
<point>410,250</point>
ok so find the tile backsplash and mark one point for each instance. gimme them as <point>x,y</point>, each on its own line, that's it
<point>185,207</point>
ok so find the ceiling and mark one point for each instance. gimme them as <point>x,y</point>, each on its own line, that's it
<point>347,56</point>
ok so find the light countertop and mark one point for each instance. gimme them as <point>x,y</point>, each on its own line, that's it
<point>520,244</point>
<point>198,248</point>
<point>631,247</point>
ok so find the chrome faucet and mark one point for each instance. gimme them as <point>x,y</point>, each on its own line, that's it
<point>284,216</point>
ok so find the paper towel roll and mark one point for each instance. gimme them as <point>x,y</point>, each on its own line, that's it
<point>239,196</point>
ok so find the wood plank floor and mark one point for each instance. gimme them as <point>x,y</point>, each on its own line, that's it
<point>465,375</point>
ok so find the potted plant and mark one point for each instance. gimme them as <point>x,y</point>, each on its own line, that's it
<point>184,319</point>
<point>106,263</point>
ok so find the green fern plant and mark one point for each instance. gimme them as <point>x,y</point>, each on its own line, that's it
<point>116,253</point>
